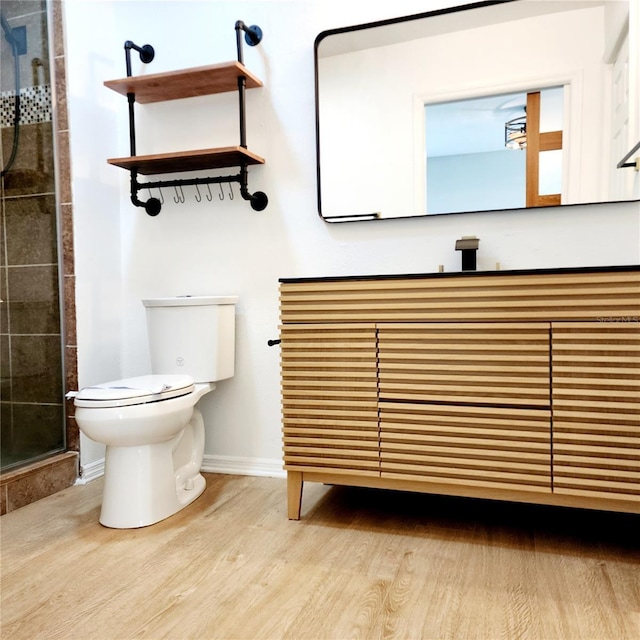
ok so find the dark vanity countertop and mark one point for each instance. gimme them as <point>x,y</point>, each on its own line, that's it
<point>448,274</point>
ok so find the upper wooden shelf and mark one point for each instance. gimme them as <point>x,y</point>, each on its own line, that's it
<point>185,83</point>
<point>179,161</point>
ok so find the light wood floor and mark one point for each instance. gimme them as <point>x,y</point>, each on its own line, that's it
<point>360,564</point>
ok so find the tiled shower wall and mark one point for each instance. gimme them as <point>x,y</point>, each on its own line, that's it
<point>33,338</point>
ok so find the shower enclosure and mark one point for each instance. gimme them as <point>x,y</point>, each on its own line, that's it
<point>31,336</point>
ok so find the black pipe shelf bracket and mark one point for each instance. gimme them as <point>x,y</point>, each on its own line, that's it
<point>187,83</point>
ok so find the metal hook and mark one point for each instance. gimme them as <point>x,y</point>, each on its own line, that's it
<point>230,192</point>
<point>210,195</point>
<point>161,199</point>
<point>198,196</point>
<point>179,197</point>
<point>221,194</point>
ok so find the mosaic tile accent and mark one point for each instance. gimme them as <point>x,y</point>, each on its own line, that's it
<point>35,105</point>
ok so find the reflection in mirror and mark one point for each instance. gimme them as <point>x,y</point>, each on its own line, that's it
<point>470,145</point>
<point>412,113</point>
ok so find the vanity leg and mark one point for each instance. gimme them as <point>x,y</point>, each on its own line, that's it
<point>294,494</point>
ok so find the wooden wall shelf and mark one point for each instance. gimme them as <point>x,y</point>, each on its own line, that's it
<point>189,83</point>
<point>185,83</point>
<point>179,161</point>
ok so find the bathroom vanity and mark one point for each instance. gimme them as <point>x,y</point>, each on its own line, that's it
<point>511,385</point>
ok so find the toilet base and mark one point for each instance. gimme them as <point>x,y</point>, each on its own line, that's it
<point>149,494</point>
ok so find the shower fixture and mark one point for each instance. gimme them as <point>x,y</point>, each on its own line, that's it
<point>17,38</point>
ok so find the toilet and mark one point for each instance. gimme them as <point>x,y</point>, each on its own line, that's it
<point>150,425</point>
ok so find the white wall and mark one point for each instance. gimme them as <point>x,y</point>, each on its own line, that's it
<point>122,255</point>
<point>93,120</point>
<point>476,181</point>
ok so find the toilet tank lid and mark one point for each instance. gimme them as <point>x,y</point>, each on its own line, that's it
<point>189,301</point>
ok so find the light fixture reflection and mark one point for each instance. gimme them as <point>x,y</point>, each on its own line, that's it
<point>515,133</point>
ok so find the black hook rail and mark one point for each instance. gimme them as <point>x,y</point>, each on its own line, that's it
<point>153,205</point>
<point>258,200</point>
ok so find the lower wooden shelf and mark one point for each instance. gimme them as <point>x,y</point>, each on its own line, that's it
<point>199,160</point>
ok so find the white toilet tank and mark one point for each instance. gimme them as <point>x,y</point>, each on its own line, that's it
<point>192,335</point>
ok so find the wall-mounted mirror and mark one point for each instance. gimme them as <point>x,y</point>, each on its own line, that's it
<point>488,106</point>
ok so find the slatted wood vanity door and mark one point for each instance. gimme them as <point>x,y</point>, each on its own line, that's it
<point>466,404</point>
<point>596,409</point>
<point>330,398</point>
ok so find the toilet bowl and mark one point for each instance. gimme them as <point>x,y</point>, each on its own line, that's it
<point>152,430</point>
<point>154,437</point>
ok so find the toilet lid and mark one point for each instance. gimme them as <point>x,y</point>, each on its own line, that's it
<point>139,390</point>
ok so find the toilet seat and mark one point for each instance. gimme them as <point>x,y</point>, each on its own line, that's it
<point>133,391</point>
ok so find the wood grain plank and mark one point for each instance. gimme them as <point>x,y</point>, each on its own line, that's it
<point>533,296</point>
<point>596,408</point>
<point>185,83</point>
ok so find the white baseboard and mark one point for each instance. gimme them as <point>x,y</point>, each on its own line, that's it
<point>233,465</point>
<point>91,471</point>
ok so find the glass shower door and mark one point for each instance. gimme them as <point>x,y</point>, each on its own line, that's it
<point>31,369</point>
